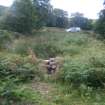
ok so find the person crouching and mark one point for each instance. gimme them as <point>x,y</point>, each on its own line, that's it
<point>51,66</point>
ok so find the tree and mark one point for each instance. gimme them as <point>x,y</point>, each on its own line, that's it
<point>78,20</point>
<point>58,18</point>
<point>77,14</point>
<point>100,24</point>
<point>3,10</point>
<point>44,10</point>
<point>20,17</point>
<point>61,18</point>
<point>51,20</point>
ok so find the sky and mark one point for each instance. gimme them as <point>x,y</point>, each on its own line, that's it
<point>6,2</point>
<point>90,8</point>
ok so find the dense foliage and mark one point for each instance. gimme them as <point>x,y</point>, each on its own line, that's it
<point>3,10</point>
<point>83,68</point>
<point>100,24</point>
<point>24,16</point>
<point>90,74</point>
<point>20,17</point>
<point>58,18</point>
<point>78,20</point>
<point>81,57</point>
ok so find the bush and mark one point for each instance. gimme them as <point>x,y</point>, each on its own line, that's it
<point>5,38</point>
<point>46,50</point>
<point>15,70</point>
<point>90,73</point>
<point>20,47</point>
<point>41,49</point>
<point>15,67</point>
<point>12,94</point>
<point>72,50</point>
<point>6,92</point>
<point>77,40</point>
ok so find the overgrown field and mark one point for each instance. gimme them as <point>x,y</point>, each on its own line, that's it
<point>80,80</point>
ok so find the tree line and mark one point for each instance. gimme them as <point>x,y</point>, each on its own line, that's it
<point>25,15</point>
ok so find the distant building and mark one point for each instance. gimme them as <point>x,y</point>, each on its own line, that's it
<point>73,29</point>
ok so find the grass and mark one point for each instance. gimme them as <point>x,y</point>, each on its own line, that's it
<point>77,50</point>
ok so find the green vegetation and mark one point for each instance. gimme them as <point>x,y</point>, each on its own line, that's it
<point>80,79</point>
<point>26,42</point>
<point>78,20</point>
<point>24,16</point>
<point>100,23</point>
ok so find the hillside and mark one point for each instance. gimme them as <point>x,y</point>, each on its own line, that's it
<point>79,81</point>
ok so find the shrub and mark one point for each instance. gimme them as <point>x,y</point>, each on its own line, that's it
<point>15,70</point>
<point>20,47</point>
<point>5,38</point>
<point>15,67</point>
<point>90,73</point>
<point>77,40</point>
<point>72,50</point>
<point>12,94</point>
<point>41,49</point>
<point>46,50</point>
<point>6,92</point>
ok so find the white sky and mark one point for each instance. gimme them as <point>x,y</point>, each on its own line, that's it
<point>6,2</point>
<point>90,8</point>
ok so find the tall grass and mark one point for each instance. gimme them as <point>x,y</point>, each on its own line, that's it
<point>82,74</point>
